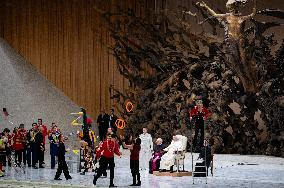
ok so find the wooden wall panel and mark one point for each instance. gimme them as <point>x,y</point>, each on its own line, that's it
<point>65,40</point>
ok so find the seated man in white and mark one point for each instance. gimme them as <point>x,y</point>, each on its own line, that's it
<point>168,159</point>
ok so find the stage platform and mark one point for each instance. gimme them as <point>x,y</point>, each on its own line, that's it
<point>174,174</point>
<point>229,171</point>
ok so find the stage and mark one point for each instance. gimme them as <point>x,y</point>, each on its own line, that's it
<point>229,171</point>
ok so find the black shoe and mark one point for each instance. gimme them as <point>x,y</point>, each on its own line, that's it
<point>94,181</point>
<point>35,167</point>
<point>162,170</point>
<point>150,172</point>
<point>112,185</point>
<point>57,179</point>
<point>132,184</point>
<point>171,169</point>
<point>82,173</point>
<point>69,178</point>
<point>138,183</point>
<point>41,166</point>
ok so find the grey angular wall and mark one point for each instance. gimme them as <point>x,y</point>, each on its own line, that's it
<point>27,95</point>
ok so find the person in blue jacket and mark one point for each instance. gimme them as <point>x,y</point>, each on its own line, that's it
<point>54,141</point>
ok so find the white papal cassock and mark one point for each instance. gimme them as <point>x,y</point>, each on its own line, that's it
<point>168,159</point>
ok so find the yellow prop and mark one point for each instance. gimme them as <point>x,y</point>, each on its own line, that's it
<point>77,113</point>
<point>76,152</point>
<point>75,121</point>
<point>120,123</point>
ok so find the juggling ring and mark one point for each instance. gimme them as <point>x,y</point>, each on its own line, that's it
<point>129,106</point>
<point>120,123</point>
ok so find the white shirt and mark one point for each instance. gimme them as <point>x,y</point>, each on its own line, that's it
<point>146,141</point>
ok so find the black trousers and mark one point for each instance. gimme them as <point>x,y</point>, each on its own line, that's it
<point>104,162</point>
<point>199,126</point>
<point>29,154</point>
<point>134,166</point>
<point>18,156</point>
<point>37,155</point>
<point>24,152</point>
<point>41,156</point>
<point>62,166</point>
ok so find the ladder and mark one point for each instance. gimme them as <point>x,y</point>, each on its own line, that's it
<point>193,166</point>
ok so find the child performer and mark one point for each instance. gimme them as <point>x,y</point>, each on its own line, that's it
<point>134,160</point>
<point>62,166</point>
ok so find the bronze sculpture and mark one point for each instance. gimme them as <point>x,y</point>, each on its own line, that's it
<point>234,23</point>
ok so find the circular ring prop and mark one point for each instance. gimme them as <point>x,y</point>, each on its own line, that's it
<point>129,106</point>
<point>120,123</point>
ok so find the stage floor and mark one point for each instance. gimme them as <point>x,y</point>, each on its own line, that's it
<point>229,171</point>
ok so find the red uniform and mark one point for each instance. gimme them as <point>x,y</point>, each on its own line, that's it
<point>204,113</point>
<point>98,151</point>
<point>17,141</point>
<point>109,148</point>
<point>199,116</point>
<point>44,132</point>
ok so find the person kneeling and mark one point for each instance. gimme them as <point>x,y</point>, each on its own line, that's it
<point>62,166</point>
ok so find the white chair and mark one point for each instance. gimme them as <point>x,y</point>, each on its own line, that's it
<point>180,155</point>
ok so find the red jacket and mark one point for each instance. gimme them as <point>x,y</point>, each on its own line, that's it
<point>18,141</point>
<point>44,132</point>
<point>109,148</point>
<point>134,153</point>
<point>204,113</point>
<point>23,137</point>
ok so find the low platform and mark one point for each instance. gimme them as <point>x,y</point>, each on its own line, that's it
<point>174,174</point>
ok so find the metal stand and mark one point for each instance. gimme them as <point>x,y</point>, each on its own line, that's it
<point>198,166</point>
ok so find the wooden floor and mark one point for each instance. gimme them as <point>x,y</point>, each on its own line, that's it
<point>174,174</point>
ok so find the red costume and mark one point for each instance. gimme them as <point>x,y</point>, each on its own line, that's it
<point>199,116</point>
<point>44,132</point>
<point>109,148</point>
<point>17,141</point>
<point>204,113</point>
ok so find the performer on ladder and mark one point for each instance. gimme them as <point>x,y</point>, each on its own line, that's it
<point>197,115</point>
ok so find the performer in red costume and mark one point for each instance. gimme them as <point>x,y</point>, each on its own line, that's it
<point>198,114</point>
<point>108,149</point>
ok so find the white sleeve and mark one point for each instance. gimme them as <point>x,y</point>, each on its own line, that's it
<point>151,142</point>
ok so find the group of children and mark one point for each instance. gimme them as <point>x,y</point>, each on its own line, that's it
<point>26,147</point>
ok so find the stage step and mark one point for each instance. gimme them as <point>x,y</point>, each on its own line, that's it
<point>174,174</point>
